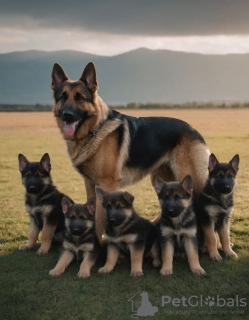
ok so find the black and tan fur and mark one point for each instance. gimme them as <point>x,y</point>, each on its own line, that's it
<point>80,240</point>
<point>43,203</point>
<point>214,205</point>
<point>178,227</point>
<point>113,150</point>
<point>127,233</point>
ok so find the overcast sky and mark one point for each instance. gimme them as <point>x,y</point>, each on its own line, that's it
<point>108,27</point>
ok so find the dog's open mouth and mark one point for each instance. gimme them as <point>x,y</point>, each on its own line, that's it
<point>70,128</point>
<point>72,119</point>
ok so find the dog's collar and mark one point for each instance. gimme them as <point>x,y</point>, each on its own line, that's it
<point>93,133</point>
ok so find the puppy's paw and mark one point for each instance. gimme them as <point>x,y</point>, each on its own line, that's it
<point>215,256</point>
<point>24,247</point>
<point>156,263</point>
<point>137,273</point>
<point>55,272</point>
<point>83,274</point>
<point>105,269</point>
<point>231,254</point>
<point>166,271</point>
<point>42,250</point>
<point>198,270</point>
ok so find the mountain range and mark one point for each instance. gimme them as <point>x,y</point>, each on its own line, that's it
<point>141,75</point>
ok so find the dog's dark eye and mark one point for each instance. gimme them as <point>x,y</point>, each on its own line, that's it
<point>39,174</point>
<point>177,197</point>
<point>220,176</point>
<point>82,218</point>
<point>63,97</point>
<point>72,218</point>
<point>108,207</point>
<point>79,97</point>
<point>119,207</point>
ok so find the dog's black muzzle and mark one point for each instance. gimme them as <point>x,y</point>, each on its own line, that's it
<point>68,116</point>
<point>224,186</point>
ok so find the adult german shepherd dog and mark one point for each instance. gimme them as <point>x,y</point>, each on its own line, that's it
<point>113,150</point>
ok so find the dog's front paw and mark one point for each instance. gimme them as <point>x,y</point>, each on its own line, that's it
<point>166,271</point>
<point>198,270</point>
<point>42,250</point>
<point>156,263</point>
<point>83,274</point>
<point>137,273</point>
<point>231,254</point>
<point>24,247</point>
<point>55,272</point>
<point>215,256</point>
<point>105,269</point>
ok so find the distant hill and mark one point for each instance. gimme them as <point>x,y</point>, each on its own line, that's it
<point>141,76</point>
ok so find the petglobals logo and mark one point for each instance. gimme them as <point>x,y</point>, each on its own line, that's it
<point>141,305</point>
<point>210,301</point>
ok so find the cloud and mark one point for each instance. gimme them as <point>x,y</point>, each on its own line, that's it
<point>109,27</point>
<point>12,39</point>
<point>130,17</point>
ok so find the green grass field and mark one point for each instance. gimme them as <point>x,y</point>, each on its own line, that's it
<point>28,292</point>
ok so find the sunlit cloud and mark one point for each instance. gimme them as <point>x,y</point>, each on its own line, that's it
<point>12,39</point>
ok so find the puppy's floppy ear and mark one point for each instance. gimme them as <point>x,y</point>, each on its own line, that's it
<point>23,162</point>
<point>158,184</point>
<point>91,206</point>
<point>212,163</point>
<point>187,184</point>
<point>101,194</point>
<point>89,77</point>
<point>235,163</point>
<point>128,197</point>
<point>45,162</point>
<point>66,203</point>
<point>58,76</point>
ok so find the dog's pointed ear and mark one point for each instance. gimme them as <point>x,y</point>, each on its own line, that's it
<point>23,161</point>
<point>89,77</point>
<point>187,184</point>
<point>45,162</point>
<point>66,203</point>
<point>158,184</point>
<point>212,163</point>
<point>91,206</point>
<point>235,163</point>
<point>128,197</point>
<point>101,194</point>
<point>58,76</point>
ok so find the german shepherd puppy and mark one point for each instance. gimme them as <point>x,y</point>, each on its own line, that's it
<point>178,228</point>
<point>214,205</point>
<point>80,240</point>
<point>43,203</point>
<point>126,233</point>
<point>113,150</point>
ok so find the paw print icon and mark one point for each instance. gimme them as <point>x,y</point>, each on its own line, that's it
<point>209,301</point>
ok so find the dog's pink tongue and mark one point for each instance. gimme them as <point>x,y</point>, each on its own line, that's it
<point>69,128</point>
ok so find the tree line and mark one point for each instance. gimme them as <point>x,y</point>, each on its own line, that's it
<point>132,105</point>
